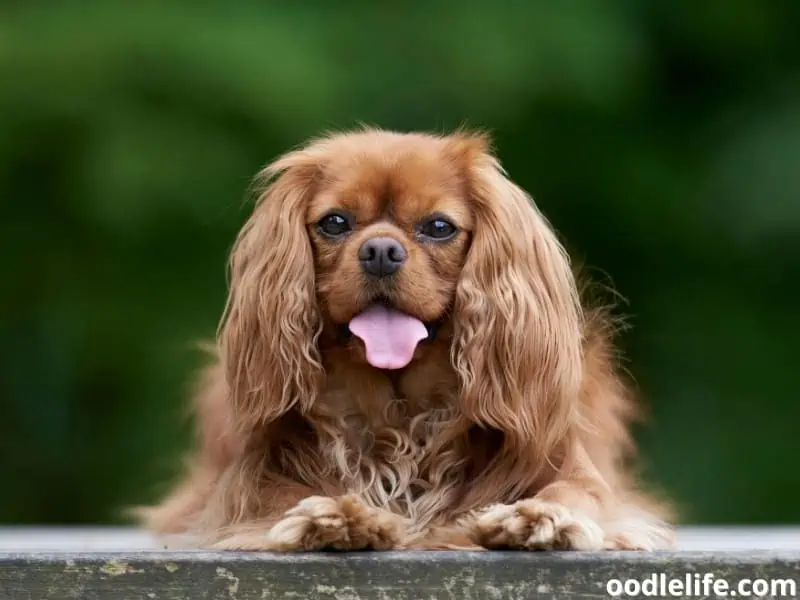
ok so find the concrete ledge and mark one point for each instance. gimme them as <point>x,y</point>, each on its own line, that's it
<point>114,564</point>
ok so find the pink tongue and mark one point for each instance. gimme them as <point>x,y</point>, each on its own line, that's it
<point>389,335</point>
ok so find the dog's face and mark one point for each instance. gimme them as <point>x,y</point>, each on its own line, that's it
<point>390,232</point>
<point>385,236</point>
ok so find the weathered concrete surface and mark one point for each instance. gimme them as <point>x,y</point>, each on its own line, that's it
<point>117,564</point>
<point>108,539</point>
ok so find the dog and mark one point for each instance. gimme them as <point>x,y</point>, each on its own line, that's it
<point>406,361</point>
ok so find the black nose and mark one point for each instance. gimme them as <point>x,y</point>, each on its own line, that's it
<point>381,256</point>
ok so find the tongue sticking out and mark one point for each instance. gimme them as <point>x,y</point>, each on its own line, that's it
<point>390,336</point>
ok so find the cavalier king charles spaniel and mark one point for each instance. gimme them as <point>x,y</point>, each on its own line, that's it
<point>405,361</point>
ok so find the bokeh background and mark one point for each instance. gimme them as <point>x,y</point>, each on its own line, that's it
<point>661,138</point>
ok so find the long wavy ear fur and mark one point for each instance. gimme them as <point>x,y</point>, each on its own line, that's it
<point>268,333</point>
<point>518,317</point>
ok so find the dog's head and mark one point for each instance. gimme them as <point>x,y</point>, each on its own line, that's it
<point>385,237</point>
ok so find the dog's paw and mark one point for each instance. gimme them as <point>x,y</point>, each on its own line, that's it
<point>315,523</point>
<point>536,525</point>
<point>370,527</point>
<point>343,523</point>
<point>319,523</point>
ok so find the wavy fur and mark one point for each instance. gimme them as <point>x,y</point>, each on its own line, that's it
<point>509,429</point>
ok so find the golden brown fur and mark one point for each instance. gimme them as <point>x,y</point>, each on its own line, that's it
<point>509,429</point>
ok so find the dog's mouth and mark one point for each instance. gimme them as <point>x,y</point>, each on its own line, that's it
<point>390,336</point>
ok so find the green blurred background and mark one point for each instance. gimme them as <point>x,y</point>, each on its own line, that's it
<point>661,138</point>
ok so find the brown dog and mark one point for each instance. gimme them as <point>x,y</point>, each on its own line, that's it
<point>405,362</point>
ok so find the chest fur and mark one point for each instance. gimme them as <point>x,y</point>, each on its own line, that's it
<point>387,440</point>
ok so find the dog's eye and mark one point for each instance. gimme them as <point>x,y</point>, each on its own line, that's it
<point>334,225</point>
<point>438,229</point>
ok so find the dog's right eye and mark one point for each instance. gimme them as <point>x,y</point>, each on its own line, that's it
<point>334,225</point>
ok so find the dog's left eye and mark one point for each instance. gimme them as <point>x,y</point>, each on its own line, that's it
<point>334,225</point>
<point>438,229</point>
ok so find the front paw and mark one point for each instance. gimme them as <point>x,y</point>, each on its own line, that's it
<point>536,525</point>
<point>343,523</point>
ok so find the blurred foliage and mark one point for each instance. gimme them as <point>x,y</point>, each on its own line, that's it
<point>661,138</point>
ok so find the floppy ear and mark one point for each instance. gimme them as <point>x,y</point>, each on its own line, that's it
<point>268,334</point>
<point>518,319</point>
